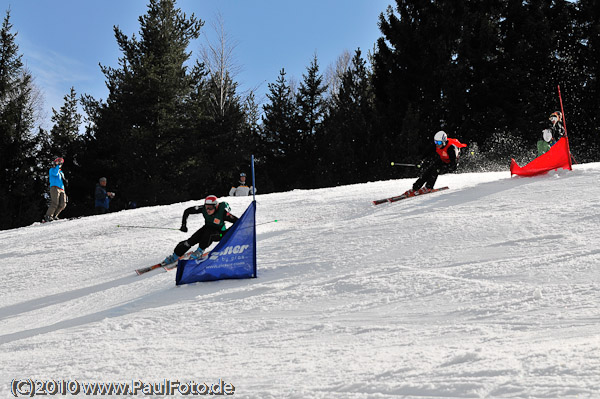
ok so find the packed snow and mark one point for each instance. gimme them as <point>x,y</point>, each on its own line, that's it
<point>488,290</point>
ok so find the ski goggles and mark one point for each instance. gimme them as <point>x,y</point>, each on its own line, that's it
<point>438,142</point>
<point>209,207</point>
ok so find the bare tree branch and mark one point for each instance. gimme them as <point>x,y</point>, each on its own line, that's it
<point>218,56</point>
<point>334,73</point>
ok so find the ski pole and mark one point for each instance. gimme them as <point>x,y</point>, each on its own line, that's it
<point>249,227</point>
<point>171,228</point>
<point>403,164</point>
<point>272,221</point>
<point>148,227</point>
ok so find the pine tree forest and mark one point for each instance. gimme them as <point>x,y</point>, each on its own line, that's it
<point>175,126</point>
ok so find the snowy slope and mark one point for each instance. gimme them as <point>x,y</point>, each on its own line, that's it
<point>490,289</point>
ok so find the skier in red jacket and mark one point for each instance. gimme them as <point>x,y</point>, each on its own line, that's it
<point>444,160</point>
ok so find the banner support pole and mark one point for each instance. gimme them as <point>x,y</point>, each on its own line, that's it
<point>254,201</point>
<point>253,183</point>
<point>562,110</point>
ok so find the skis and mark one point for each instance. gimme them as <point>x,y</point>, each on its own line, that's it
<point>405,195</point>
<point>158,265</point>
<point>168,266</point>
<point>174,265</point>
<point>150,268</point>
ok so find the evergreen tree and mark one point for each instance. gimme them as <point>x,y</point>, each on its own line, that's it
<point>252,114</point>
<point>478,70</point>
<point>582,107</point>
<point>21,182</point>
<point>251,136</point>
<point>311,101</point>
<point>511,57</point>
<point>477,87</point>
<point>311,105</point>
<point>65,141</point>
<point>411,66</point>
<point>527,41</point>
<point>280,128</point>
<point>348,146</point>
<point>149,120</point>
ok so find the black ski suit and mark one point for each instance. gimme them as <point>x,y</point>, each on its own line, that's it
<point>434,166</point>
<point>557,130</point>
<point>213,230</point>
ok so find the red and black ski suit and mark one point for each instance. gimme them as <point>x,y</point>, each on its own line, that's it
<point>443,160</point>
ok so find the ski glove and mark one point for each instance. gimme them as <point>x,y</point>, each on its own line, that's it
<point>183,228</point>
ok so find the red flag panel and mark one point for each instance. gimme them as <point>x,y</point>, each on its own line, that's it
<point>556,158</point>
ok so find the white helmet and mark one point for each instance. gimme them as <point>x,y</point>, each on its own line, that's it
<point>440,136</point>
<point>547,134</point>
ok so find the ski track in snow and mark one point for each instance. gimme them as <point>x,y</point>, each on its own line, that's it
<point>487,290</point>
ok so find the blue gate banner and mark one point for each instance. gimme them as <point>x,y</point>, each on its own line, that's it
<point>233,257</point>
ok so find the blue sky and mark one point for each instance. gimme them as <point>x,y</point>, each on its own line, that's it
<point>63,41</point>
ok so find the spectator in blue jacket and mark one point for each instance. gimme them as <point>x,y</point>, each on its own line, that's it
<point>102,197</point>
<point>58,197</point>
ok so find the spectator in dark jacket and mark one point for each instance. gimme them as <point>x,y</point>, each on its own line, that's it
<point>102,197</point>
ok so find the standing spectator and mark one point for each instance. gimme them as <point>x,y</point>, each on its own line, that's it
<point>102,197</point>
<point>58,197</point>
<point>242,189</point>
